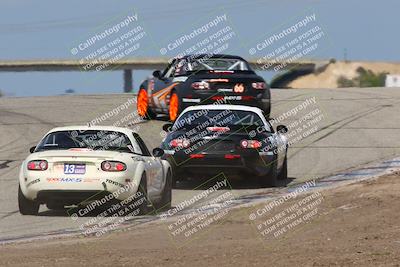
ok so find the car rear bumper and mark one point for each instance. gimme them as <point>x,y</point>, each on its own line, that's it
<point>261,101</point>
<point>41,188</point>
<point>71,197</point>
<point>228,163</point>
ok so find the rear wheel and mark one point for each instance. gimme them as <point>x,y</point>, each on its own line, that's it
<point>143,108</point>
<point>174,106</point>
<point>27,206</point>
<point>166,198</point>
<point>269,180</point>
<point>55,206</point>
<point>283,173</point>
<point>174,172</point>
<point>142,195</point>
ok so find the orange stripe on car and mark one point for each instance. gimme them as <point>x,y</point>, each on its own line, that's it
<point>166,89</point>
<point>169,88</point>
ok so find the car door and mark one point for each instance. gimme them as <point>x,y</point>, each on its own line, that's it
<point>154,169</point>
<point>160,88</point>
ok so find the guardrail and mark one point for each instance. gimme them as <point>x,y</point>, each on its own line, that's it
<point>127,65</point>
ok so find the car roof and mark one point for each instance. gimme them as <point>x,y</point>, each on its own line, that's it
<point>256,110</point>
<point>224,106</point>
<point>213,56</point>
<point>95,128</point>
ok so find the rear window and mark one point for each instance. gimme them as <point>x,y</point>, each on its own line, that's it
<point>189,65</point>
<point>224,64</point>
<point>206,118</point>
<point>91,139</point>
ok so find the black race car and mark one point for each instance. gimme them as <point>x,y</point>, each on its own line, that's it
<point>202,79</point>
<point>235,140</point>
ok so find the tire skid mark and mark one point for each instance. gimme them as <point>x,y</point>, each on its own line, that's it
<point>8,214</point>
<point>29,116</point>
<point>351,118</point>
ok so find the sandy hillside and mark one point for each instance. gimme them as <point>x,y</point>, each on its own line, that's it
<point>328,78</point>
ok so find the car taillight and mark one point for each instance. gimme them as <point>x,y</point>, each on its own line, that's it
<point>197,156</point>
<point>179,143</point>
<point>201,85</point>
<point>37,165</point>
<point>250,144</point>
<point>113,166</point>
<point>232,156</point>
<point>222,71</point>
<point>259,85</point>
<point>218,129</point>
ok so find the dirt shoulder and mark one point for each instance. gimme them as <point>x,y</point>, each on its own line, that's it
<point>357,224</point>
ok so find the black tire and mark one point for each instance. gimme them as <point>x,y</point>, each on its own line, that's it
<point>150,114</point>
<point>283,175</point>
<point>174,170</point>
<point>55,206</point>
<point>143,190</point>
<point>267,112</point>
<point>180,108</point>
<point>26,206</point>
<point>166,198</point>
<point>136,204</point>
<point>269,180</point>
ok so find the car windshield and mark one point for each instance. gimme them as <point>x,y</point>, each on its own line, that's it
<point>91,139</point>
<point>223,118</point>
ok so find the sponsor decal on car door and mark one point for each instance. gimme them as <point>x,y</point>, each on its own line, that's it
<point>154,175</point>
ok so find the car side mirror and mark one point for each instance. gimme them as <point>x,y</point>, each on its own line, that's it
<point>167,127</point>
<point>281,129</point>
<point>32,149</point>
<point>158,152</point>
<point>157,74</point>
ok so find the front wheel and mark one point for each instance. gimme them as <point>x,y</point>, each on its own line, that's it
<point>267,112</point>
<point>27,206</point>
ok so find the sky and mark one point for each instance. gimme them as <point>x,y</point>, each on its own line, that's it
<point>355,29</point>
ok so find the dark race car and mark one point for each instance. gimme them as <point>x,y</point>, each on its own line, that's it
<point>202,79</point>
<point>231,139</point>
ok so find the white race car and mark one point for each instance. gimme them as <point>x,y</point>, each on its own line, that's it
<point>79,165</point>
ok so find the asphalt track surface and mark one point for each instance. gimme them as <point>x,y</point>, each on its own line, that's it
<point>359,126</point>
